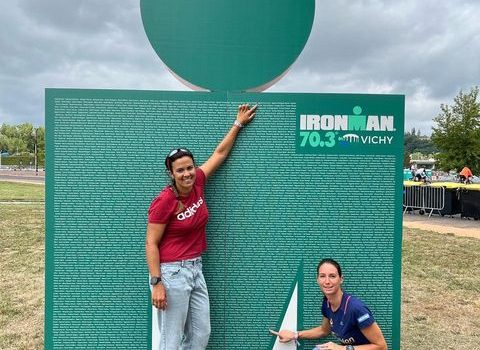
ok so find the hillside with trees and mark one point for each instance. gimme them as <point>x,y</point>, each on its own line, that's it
<point>415,143</point>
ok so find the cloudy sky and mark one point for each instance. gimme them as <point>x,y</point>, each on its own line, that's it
<point>427,50</point>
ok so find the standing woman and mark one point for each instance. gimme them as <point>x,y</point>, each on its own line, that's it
<point>176,240</point>
<point>344,315</point>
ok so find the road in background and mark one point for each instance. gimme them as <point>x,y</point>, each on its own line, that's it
<point>27,176</point>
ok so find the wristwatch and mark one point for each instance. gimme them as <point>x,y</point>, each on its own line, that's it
<point>238,124</point>
<point>155,280</point>
<point>349,347</point>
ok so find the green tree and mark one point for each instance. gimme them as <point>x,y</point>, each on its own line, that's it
<point>8,130</point>
<point>457,133</point>
<point>25,133</point>
<point>41,139</point>
<point>21,138</point>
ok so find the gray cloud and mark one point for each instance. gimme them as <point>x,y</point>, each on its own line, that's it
<point>426,50</point>
<point>88,44</point>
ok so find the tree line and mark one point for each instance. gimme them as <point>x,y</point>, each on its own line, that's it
<point>21,139</point>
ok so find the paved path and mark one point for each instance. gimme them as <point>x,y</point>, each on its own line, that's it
<point>445,224</point>
<point>26,176</point>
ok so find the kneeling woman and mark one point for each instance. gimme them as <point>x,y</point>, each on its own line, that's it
<point>344,315</point>
<point>175,241</point>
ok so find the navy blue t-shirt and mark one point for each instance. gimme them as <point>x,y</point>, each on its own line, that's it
<point>350,317</point>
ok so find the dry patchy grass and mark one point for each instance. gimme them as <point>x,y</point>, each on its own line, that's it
<point>440,291</point>
<point>22,268</point>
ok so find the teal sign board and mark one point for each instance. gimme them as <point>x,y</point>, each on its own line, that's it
<point>313,176</point>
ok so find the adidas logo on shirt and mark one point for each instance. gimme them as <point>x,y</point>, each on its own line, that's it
<point>190,211</point>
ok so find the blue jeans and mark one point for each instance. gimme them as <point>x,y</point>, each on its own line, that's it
<point>185,323</point>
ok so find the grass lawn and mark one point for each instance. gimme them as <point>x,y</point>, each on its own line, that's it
<point>22,254</point>
<point>10,191</point>
<point>440,285</point>
<point>440,291</point>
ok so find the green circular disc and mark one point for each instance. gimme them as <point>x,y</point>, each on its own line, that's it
<point>228,45</point>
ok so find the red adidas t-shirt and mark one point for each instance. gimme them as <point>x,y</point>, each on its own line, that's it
<point>184,236</point>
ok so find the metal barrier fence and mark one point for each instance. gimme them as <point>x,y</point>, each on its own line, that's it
<point>423,197</point>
